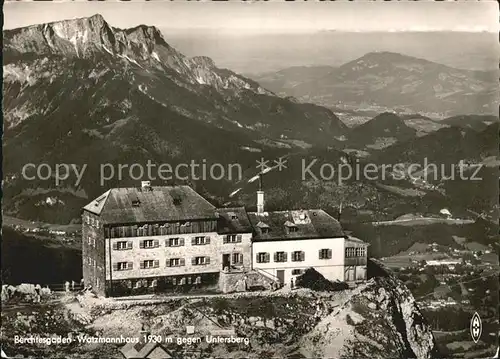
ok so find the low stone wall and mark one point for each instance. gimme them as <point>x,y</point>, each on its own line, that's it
<point>230,282</point>
<point>167,284</point>
<point>23,292</point>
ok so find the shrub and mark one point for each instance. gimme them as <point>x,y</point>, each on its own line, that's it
<point>313,280</point>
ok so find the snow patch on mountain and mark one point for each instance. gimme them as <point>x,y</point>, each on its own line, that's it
<point>155,56</point>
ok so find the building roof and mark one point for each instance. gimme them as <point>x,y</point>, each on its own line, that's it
<point>312,223</point>
<point>233,220</point>
<point>355,240</point>
<point>136,205</point>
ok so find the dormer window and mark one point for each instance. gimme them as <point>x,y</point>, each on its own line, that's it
<point>177,200</point>
<point>291,227</point>
<point>264,228</point>
<point>232,215</point>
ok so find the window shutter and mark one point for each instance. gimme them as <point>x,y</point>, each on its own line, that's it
<point>267,258</point>
<point>157,263</point>
<point>115,246</point>
<point>167,263</point>
<point>319,254</point>
<point>115,266</point>
<point>129,245</point>
<point>207,260</point>
<point>156,243</point>
<point>167,242</point>
<point>257,258</point>
<point>275,256</point>
<point>141,244</point>
<point>142,265</point>
<point>239,238</point>
<point>130,265</point>
<point>329,254</point>
<point>193,261</point>
<point>181,241</point>
<point>302,256</point>
<point>225,238</point>
<point>207,239</point>
<point>182,262</point>
<point>285,255</point>
<point>193,241</point>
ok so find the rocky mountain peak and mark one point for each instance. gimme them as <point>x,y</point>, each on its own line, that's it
<point>203,61</point>
<point>84,37</point>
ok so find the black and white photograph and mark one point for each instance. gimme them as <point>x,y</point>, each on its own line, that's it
<point>250,179</point>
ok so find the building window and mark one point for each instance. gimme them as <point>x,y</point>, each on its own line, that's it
<point>232,238</point>
<point>265,230</point>
<point>196,261</point>
<point>197,280</point>
<point>280,256</point>
<point>129,284</point>
<point>200,240</point>
<point>174,242</point>
<point>150,263</point>
<point>188,280</point>
<point>360,252</point>
<point>174,281</point>
<point>262,257</point>
<point>291,228</point>
<point>325,254</point>
<point>298,256</point>
<point>297,271</point>
<point>149,243</point>
<point>122,266</point>
<point>349,252</point>
<point>122,245</point>
<point>237,258</point>
<point>175,262</point>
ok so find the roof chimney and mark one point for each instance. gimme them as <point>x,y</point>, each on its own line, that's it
<point>260,196</point>
<point>260,201</point>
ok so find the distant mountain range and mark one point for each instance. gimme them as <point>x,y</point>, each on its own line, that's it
<point>85,93</point>
<point>81,91</point>
<point>445,146</point>
<point>390,81</point>
<point>380,132</point>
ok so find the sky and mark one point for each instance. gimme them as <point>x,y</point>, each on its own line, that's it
<point>267,17</point>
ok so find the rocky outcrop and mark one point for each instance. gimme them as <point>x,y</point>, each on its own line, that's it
<point>378,319</point>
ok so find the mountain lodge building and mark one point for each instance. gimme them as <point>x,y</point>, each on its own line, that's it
<point>169,238</point>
